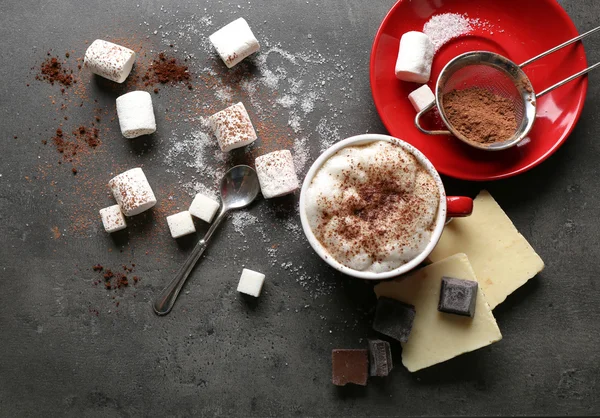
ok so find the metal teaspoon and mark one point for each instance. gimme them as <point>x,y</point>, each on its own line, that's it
<point>239,187</point>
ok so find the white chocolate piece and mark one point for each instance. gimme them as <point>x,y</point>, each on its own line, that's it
<point>502,258</point>
<point>136,115</point>
<point>234,42</point>
<point>109,60</point>
<point>181,224</point>
<point>421,97</point>
<point>276,174</point>
<point>437,336</point>
<point>204,207</point>
<point>232,127</point>
<point>132,192</point>
<point>251,283</point>
<point>415,57</point>
<point>113,219</point>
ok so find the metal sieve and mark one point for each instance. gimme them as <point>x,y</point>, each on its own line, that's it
<point>500,76</point>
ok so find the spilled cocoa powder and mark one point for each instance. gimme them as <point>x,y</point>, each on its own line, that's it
<point>52,71</point>
<point>165,70</point>
<point>480,115</point>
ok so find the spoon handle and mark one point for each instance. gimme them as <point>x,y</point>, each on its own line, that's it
<point>165,301</point>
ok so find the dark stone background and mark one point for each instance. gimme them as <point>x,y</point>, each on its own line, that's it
<point>71,348</point>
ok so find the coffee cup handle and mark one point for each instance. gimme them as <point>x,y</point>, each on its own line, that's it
<point>459,206</point>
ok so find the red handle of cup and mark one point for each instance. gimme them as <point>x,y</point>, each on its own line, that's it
<point>459,206</point>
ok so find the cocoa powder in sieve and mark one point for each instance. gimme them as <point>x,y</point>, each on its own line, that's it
<point>480,115</point>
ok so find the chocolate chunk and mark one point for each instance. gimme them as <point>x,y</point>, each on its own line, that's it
<point>458,296</point>
<point>394,319</point>
<point>350,366</point>
<point>380,358</point>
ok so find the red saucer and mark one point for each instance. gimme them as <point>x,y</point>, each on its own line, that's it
<point>517,29</point>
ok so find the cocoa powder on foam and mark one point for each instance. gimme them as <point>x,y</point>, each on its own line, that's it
<point>379,214</point>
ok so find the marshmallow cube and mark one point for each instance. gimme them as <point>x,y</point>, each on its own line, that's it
<point>181,224</point>
<point>234,42</point>
<point>276,174</point>
<point>232,127</point>
<point>109,60</point>
<point>251,283</point>
<point>415,57</point>
<point>136,115</point>
<point>204,207</point>
<point>421,98</point>
<point>113,219</point>
<point>132,192</point>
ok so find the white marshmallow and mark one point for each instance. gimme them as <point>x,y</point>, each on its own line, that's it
<point>113,219</point>
<point>251,283</point>
<point>109,60</point>
<point>204,207</point>
<point>421,97</point>
<point>232,127</point>
<point>136,115</point>
<point>181,224</point>
<point>132,192</point>
<point>234,42</point>
<point>415,57</point>
<point>276,174</point>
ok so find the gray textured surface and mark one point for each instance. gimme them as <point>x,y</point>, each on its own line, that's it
<point>69,350</point>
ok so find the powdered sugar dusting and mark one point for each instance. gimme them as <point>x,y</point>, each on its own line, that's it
<point>444,27</point>
<point>301,154</point>
<point>241,220</point>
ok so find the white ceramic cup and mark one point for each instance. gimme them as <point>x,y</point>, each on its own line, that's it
<point>460,207</point>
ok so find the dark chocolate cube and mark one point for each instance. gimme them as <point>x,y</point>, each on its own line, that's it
<point>350,366</point>
<point>380,358</point>
<point>458,296</point>
<point>394,319</point>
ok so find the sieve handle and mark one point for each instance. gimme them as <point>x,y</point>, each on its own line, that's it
<point>568,80</point>
<point>418,121</point>
<point>561,46</point>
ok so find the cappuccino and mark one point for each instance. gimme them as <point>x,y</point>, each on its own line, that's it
<point>373,207</point>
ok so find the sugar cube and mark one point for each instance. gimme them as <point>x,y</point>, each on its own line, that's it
<point>251,282</point>
<point>113,219</point>
<point>421,97</point>
<point>204,207</point>
<point>181,224</point>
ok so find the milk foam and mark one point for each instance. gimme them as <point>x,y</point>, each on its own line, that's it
<point>373,207</point>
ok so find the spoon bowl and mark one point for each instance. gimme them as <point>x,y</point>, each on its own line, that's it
<point>239,188</point>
